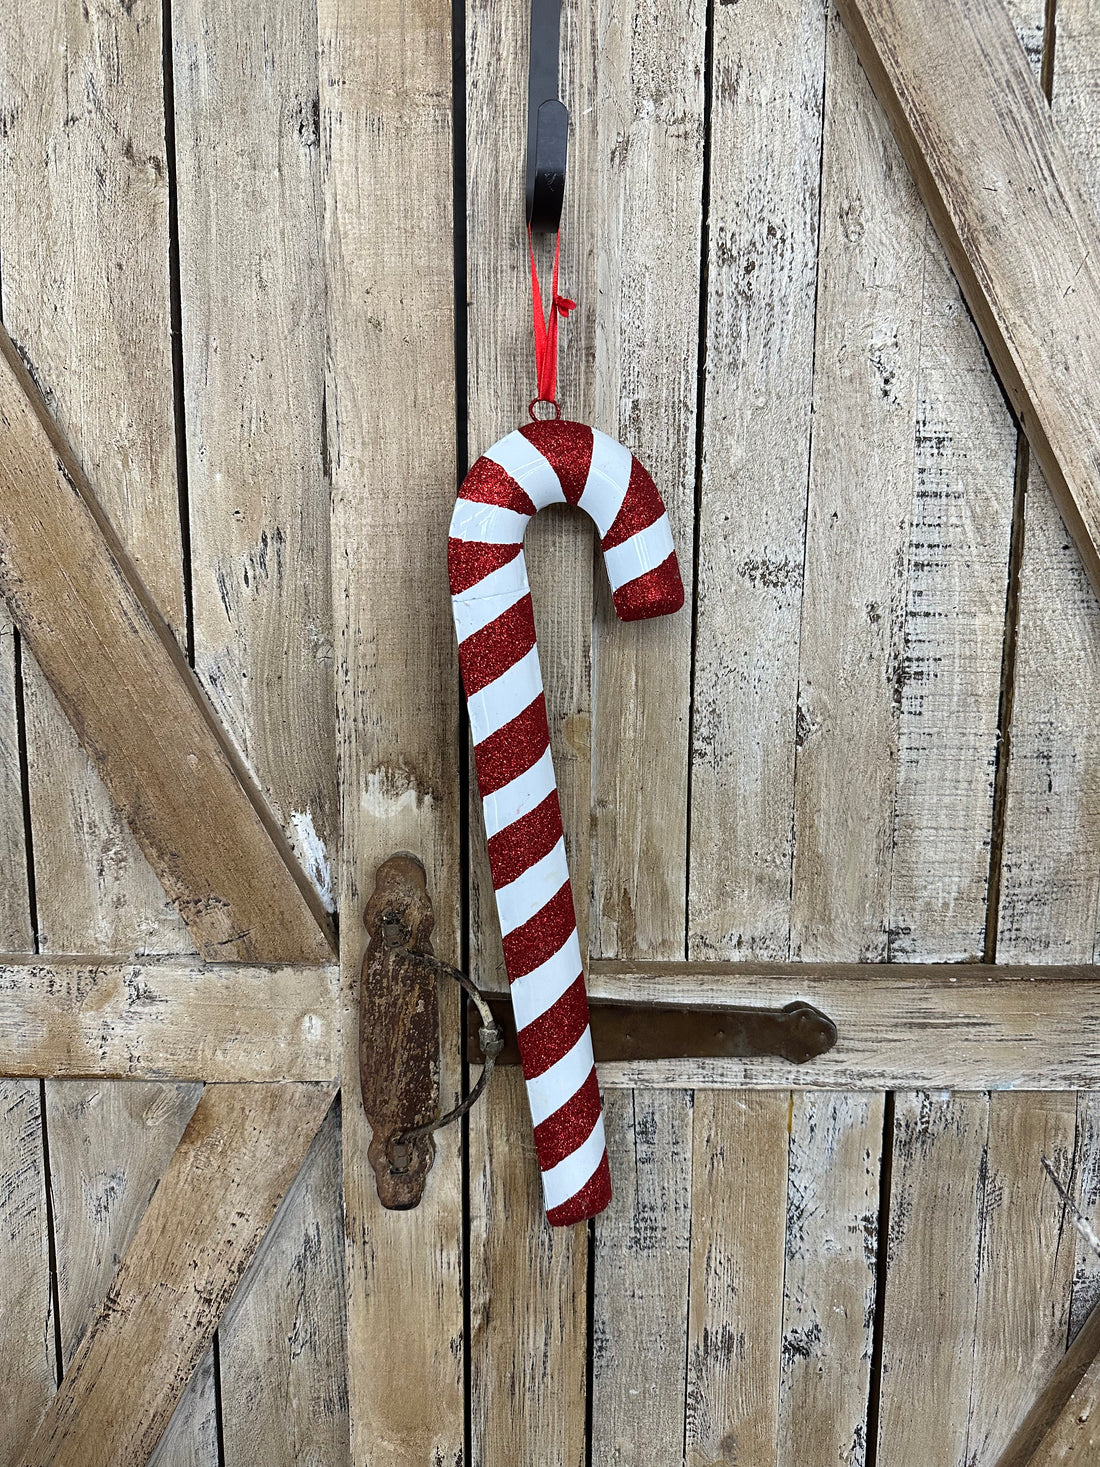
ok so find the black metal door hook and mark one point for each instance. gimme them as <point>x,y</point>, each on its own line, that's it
<point>547,121</point>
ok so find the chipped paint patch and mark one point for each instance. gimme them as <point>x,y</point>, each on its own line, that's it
<point>310,850</point>
<point>391,792</point>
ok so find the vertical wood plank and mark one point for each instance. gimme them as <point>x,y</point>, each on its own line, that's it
<point>649,123</point>
<point>936,1208</point>
<point>26,1306</point>
<point>528,1326</point>
<point>761,290</point>
<point>738,1217</point>
<point>86,296</point>
<point>283,1350</point>
<point>643,1252</point>
<point>253,319</point>
<point>386,120</point>
<point>829,1283</point>
<point>528,1282</point>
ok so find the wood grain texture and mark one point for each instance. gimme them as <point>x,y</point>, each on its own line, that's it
<point>735,1323</point>
<point>167,1019</point>
<point>761,279</point>
<point>282,1340</point>
<point>900,1025</point>
<point>239,1153</point>
<point>1013,215</point>
<point>26,1302</point>
<point>649,126</point>
<point>528,1293</point>
<point>642,1262</point>
<point>906,566</point>
<point>386,119</point>
<point>253,315</point>
<point>127,689</point>
<point>84,233</point>
<point>936,1201</point>
<point>829,1282</point>
<point>252,294</point>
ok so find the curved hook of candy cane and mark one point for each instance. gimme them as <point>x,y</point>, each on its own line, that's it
<point>545,463</point>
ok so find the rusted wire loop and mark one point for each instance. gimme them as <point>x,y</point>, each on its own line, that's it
<point>491,1039</point>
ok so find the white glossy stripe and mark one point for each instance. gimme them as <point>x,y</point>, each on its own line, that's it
<point>567,1178</point>
<point>540,989</point>
<point>531,470</point>
<point>520,795</point>
<point>519,901</point>
<point>505,697</point>
<point>641,553</point>
<point>549,1091</point>
<point>478,611</point>
<point>607,482</point>
<point>487,522</point>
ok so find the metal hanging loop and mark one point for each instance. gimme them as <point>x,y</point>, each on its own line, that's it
<point>547,121</point>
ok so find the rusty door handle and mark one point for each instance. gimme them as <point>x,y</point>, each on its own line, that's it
<point>399,1051</point>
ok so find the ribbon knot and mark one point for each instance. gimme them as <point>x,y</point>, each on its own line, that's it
<point>546,325</point>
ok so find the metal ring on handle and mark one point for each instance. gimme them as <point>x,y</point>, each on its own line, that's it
<point>491,1039</point>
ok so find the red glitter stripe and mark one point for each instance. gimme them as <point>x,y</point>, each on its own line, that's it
<point>656,593</point>
<point>541,935</point>
<point>568,446</point>
<point>491,651</point>
<point>504,755</point>
<point>470,561</point>
<point>590,1200</point>
<point>556,1137</point>
<point>489,483</point>
<point>519,845</point>
<point>553,1034</point>
<point>642,506</point>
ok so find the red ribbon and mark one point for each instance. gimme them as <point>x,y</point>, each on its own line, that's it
<point>546,328</point>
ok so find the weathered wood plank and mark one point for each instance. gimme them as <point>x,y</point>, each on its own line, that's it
<point>906,566</point>
<point>829,1283</point>
<point>1062,1429</point>
<point>528,1294</point>
<point>167,1019</point>
<point>937,1198</point>
<point>761,292</point>
<point>239,1153</point>
<point>642,1262</point>
<point>387,119</point>
<point>1013,215</point>
<point>84,225</point>
<point>647,225</point>
<point>253,318</point>
<point>26,1303</point>
<point>282,1340</point>
<point>253,329</point>
<point>900,1026</point>
<point>1025,1269</point>
<point>735,1324</point>
<point>126,687</point>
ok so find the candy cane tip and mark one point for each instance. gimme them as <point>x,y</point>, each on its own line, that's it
<point>591,1200</point>
<point>657,593</point>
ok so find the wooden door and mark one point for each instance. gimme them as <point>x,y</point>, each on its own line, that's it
<point>268,271</point>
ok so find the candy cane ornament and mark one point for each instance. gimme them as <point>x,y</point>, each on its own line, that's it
<point>545,462</point>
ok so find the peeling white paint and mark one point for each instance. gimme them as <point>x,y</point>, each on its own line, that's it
<point>391,792</point>
<point>310,850</point>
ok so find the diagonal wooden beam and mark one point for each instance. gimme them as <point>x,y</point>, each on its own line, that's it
<point>239,1154</point>
<point>1012,214</point>
<point>136,705</point>
<point>1063,1426</point>
<point>167,1019</point>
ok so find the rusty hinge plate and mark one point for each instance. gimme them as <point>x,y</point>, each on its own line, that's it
<point>797,1032</point>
